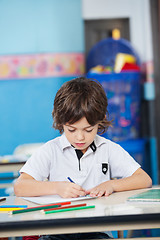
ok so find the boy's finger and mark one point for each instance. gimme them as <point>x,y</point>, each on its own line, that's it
<point>78,187</point>
<point>87,192</point>
<point>82,193</point>
<point>100,194</point>
<point>107,194</point>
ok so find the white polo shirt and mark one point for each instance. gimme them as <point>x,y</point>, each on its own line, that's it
<point>57,160</point>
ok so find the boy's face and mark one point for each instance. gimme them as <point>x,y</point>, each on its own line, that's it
<point>80,134</point>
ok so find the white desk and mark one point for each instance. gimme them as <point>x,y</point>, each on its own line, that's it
<point>11,167</point>
<point>110,213</point>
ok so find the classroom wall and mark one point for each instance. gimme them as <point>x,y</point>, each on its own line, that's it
<point>29,26</point>
<point>34,27</point>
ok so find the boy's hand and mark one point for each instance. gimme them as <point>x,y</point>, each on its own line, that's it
<point>103,189</point>
<point>69,190</point>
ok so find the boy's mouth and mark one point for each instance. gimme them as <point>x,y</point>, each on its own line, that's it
<point>80,144</point>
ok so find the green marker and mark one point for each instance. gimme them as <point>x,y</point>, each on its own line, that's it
<point>33,209</point>
<point>69,209</point>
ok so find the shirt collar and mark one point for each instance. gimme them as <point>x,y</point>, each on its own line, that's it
<point>65,143</point>
<point>99,140</point>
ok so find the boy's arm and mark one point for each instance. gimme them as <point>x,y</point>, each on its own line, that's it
<point>27,186</point>
<point>139,179</point>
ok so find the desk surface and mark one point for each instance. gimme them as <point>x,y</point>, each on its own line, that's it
<point>11,166</point>
<point>110,213</point>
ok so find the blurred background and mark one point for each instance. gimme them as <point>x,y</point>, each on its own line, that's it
<point>45,43</point>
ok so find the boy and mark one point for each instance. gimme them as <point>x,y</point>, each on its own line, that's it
<point>80,111</point>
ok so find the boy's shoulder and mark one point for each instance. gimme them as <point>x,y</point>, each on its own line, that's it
<point>108,145</point>
<point>101,141</point>
<point>58,142</point>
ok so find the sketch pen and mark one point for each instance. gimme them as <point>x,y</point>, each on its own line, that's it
<point>32,209</point>
<point>43,206</point>
<point>57,203</point>
<point>11,209</point>
<point>2,199</point>
<point>70,179</point>
<point>64,207</point>
<point>69,209</point>
<point>13,206</point>
<point>38,208</point>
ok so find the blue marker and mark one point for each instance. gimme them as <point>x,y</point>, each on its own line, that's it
<point>13,206</point>
<point>70,180</point>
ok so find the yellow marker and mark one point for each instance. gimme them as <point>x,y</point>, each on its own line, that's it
<point>9,209</point>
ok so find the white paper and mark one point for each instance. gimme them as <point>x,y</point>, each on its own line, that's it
<point>49,199</point>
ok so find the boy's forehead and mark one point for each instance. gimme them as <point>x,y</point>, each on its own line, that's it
<point>81,123</point>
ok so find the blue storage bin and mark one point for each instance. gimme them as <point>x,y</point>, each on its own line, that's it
<point>123,91</point>
<point>6,191</point>
<point>9,175</point>
<point>7,179</point>
<point>105,52</point>
<point>3,192</point>
<point>137,149</point>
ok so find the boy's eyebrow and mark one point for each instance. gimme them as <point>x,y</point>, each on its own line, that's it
<point>89,127</point>
<point>68,125</point>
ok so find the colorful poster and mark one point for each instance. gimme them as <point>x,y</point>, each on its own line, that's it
<point>41,65</point>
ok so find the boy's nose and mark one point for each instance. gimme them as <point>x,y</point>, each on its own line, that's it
<point>80,135</point>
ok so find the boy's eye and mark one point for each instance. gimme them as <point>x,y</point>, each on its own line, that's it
<point>71,130</point>
<point>89,130</point>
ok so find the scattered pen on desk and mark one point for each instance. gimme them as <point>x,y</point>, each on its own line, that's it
<point>64,207</point>
<point>70,179</point>
<point>13,206</point>
<point>2,199</point>
<point>57,203</point>
<point>38,208</point>
<point>11,209</point>
<point>45,206</point>
<point>69,209</point>
<point>32,209</point>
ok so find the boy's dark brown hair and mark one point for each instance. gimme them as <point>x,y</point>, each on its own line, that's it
<point>78,98</point>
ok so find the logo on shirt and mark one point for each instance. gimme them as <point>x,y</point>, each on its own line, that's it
<point>104,167</point>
